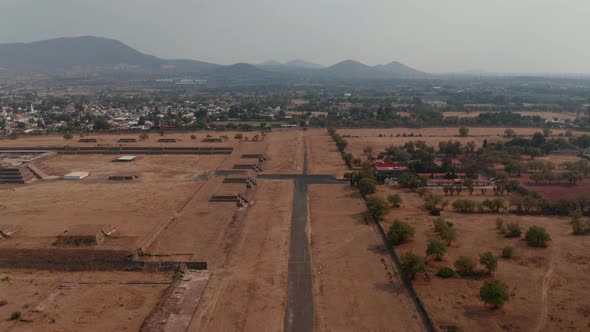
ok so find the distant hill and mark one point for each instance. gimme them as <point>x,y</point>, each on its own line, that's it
<point>303,64</point>
<point>400,70</point>
<point>87,51</point>
<point>350,69</point>
<point>104,55</point>
<point>71,52</point>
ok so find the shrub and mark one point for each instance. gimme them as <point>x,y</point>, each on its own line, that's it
<point>67,135</point>
<point>395,200</point>
<point>437,249</point>
<point>465,205</point>
<point>499,223</point>
<point>440,224</point>
<point>494,292</point>
<point>144,136</point>
<point>537,237</point>
<point>239,136</point>
<point>193,136</point>
<point>507,252</point>
<point>463,131</point>
<point>513,230</point>
<point>399,232</point>
<point>489,261</point>
<point>449,235</point>
<point>445,272</point>
<point>377,207</point>
<point>15,315</point>
<point>412,264</point>
<point>367,186</point>
<point>464,266</point>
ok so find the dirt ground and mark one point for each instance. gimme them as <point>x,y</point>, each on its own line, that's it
<point>323,155</point>
<point>183,139</point>
<point>542,282</point>
<point>352,289</point>
<point>544,115</point>
<point>358,139</point>
<point>248,294</point>
<point>78,301</point>
<point>284,152</point>
<point>47,208</point>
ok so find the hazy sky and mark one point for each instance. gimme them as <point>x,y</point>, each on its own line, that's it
<point>431,35</point>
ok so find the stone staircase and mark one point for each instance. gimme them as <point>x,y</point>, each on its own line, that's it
<point>16,175</point>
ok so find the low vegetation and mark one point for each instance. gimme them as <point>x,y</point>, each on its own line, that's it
<point>400,232</point>
<point>537,236</point>
<point>412,264</point>
<point>494,292</point>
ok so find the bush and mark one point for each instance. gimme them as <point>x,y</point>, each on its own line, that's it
<point>489,261</point>
<point>67,135</point>
<point>239,136</point>
<point>445,273</point>
<point>193,136</point>
<point>440,224</point>
<point>513,230</point>
<point>464,266</point>
<point>367,186</point>
<point>144,136</point>
<point>15,315</point>
<point>499,223</point>
<point>507,252</point>
<point>449,235</point>
<point>399,232</point>
<point>537,237</point>
<point>494,292</point>
<point>377,207</point>
<point>395,200</point>
<point>465,205</point>
<point>412,264</point>
<point>463,131</point>
<point>437,249</point>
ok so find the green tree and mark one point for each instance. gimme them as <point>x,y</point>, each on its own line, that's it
<point>507,252</point>
<point>436,249</point>
<point>101,124</point>
<point>537,237</point>
<point>463,131</point>
<point>513,230</point>
<point>67,135</point>
<point>464,266</point>
<point>395,200</point>
<point>494,292</point>
<point>367,186</point>
<point>412,264</point>
<point>377,207</point>
<point>448,235</point>
<point>489,261</point>
<point>399,232</point>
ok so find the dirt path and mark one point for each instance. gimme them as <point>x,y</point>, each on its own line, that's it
<point>546,286</point>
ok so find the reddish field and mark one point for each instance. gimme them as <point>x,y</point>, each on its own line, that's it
<point>556,191</point>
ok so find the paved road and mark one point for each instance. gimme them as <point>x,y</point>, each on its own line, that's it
<point>299,312</point>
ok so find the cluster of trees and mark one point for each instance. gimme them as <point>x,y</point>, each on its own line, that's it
<point>572,177</point>
<point>445,230</point>
<point>494,205</point>
<point>341,143</point>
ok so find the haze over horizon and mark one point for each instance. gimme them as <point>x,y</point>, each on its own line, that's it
<point>518,36</point>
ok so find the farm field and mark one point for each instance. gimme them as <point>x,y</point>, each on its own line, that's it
<point>359,139</point>
<point>544,115</point>
<point>539,280</point>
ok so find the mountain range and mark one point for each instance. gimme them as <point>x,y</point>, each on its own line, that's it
<point>98,53</point>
